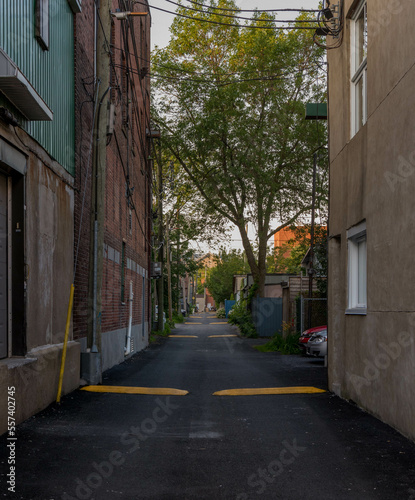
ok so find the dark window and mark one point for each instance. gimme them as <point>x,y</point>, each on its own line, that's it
<point>42,23</point>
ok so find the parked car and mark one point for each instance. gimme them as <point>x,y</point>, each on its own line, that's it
<point>305,337</point>
<point>317,345</point>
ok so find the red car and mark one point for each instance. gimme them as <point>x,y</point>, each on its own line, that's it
<point>302,342</point>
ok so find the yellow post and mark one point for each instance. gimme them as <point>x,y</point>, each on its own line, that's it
<point>65,343</point>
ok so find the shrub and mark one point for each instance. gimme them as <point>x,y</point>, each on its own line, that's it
<point>178,318</point>
<point>171,323</point>
<point>221,313</point>
<point>288,345</point>
<point>167,329</point>
<point>240,316</point>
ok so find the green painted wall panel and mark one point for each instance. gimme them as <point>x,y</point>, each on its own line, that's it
<point>51,72</point>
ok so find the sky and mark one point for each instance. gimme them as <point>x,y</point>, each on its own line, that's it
<point>160,36</point>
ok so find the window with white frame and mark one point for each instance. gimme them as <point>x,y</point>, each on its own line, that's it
<point>357,269</point>
<point>359,68</point>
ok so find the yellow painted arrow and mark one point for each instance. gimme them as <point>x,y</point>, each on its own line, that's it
<point>221,336</point>
<point>269,390</point>
<point>183,336</point>
<point>163,391</point>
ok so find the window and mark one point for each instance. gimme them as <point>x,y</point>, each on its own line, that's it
<point>357,269</point>
<point>42,23</point>
<point>359,68</point>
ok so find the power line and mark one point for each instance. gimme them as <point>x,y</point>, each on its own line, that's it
<point>206,75</point>
<point>243,18</point>
<point>218,23</point>
<point>255,10</point>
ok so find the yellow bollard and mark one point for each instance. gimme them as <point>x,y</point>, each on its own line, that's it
<point>65,343</point>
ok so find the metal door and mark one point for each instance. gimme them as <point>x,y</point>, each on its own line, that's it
<point>3,267</point>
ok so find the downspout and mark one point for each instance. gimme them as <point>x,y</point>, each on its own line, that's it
<point>130,322</point>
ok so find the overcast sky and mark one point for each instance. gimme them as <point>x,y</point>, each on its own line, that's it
<point>160,36</point>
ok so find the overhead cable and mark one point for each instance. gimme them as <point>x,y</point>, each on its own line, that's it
<point>243,18</point>
<point>253,10</point>
<point>232,25</point>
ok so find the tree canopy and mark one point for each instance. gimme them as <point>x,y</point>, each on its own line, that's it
<point>220,278</point>
<point>231,105</point>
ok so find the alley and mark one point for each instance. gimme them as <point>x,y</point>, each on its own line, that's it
<point>197,445</point>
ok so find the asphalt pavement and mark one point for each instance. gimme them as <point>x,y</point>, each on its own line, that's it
<point>163,433</point>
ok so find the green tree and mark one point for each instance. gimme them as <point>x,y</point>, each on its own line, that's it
<point>231,101</point>
<point>220,278</point>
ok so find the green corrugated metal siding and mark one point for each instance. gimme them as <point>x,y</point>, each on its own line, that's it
<point>50,72</point>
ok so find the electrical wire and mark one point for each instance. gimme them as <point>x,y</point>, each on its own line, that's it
<point>108,45</point>
<point>135,103</point>
<point>330,28</point>
<point>255,10</point>
<point>243,18</point>
<point>131,201</point>
<point>218,23</point>
<point>95,99</point>
<point>239,80</point>
<point>153,75</point>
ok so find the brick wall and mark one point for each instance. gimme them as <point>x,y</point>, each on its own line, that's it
<point>128,173</point>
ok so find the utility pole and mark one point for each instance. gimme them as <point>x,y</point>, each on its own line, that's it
<point>160,281</point>
<point>311,268</point>
<point>178,265</point>
<point>92,364</point>
<point>168,262</point>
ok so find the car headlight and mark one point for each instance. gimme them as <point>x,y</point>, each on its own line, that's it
<point>320,339</point>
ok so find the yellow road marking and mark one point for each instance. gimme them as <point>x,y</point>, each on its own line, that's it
<point>269,390</point>
<point>220,336</point>
<point>219,323</point>
<point>184,336</point>
<point>192,323</point>
<point>135,390</point>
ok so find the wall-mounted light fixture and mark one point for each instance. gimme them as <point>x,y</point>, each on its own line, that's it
<point>125,15</point>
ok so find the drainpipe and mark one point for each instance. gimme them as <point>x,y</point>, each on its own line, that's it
<point>130,321</point>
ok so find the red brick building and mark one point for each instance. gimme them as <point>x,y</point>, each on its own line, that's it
<point>113,316</point>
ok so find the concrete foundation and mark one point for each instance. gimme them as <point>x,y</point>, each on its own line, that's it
<point>113,351</point>
<point>35,379</point>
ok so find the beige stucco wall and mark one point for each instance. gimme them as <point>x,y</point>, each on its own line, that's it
<point>372,178</point>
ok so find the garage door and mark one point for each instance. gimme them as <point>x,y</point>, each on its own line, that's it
<point>3,267</point>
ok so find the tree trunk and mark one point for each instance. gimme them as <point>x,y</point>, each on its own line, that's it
<point>258,268</point>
